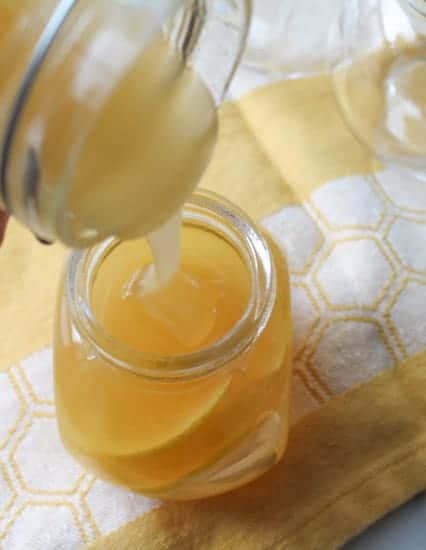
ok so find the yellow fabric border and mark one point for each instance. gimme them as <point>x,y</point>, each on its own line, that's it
<point>347,465</point>
<point>29,276</point>
<point>280,143</point>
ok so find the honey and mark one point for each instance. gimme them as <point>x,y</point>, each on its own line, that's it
<point>179,390</point>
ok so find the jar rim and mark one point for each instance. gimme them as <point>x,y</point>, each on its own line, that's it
<point>226,220</point>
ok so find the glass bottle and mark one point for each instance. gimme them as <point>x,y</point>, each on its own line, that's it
<point>108,109</point>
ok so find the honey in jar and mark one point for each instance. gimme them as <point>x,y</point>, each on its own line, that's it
<point>178,390</point>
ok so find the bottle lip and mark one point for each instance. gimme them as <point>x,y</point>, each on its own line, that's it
<point>217,214</point>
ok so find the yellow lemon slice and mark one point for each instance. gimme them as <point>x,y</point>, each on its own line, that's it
<point>117,414</point>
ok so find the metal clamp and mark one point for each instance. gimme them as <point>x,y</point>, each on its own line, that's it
<point>41,50</point>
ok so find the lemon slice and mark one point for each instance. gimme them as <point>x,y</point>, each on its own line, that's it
<point>120,417</point>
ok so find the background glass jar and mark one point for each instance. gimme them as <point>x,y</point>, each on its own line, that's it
<point>178,426</point>
<point>108,109</point>
<point>377,56</point>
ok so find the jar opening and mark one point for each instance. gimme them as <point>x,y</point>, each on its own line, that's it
<point>210,212</point>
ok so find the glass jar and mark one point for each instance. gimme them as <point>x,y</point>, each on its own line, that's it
<point>108,111</point>
<point>378,60</point>
<point>178,426</point>
<point>289,39</point>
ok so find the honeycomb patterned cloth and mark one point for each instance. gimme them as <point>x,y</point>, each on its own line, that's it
<point>355,237</point>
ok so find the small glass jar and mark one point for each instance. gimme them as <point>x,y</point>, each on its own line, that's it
<point>179,426</point>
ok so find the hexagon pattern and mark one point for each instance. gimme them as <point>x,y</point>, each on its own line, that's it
<point>407,237</point>
<point>349,352</point>
<point>46,497</point>
<point>348,203</point>
<point>47,524</point>
<point>7,493</point>
<point>407,315</point>
<point>54,471</point>
<point>112,506</point>
<point>297,235</point>
<point>306,315</point>
<point>11,408</point>
<point>36,372</point>
<point>357,255</point>
<point>354,274</point>
<point>404,192</point>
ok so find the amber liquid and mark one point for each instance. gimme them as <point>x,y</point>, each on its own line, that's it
<point>152,435</point>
